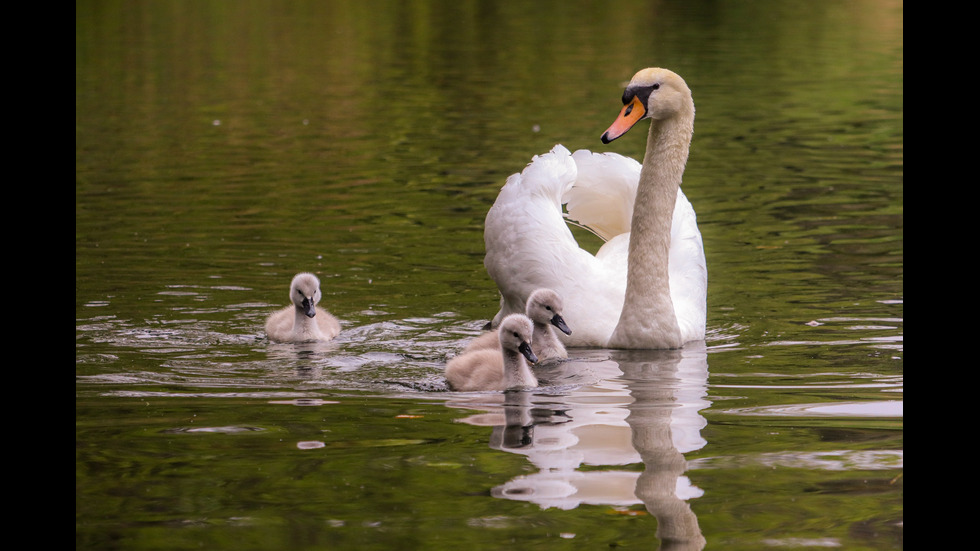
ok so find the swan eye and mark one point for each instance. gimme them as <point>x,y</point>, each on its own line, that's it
<point>655,86</point>
<point>629,109</point>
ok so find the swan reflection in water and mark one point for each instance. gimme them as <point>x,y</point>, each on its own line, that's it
<point>639,406</point>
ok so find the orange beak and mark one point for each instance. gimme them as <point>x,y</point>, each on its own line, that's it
<point>631,114</point>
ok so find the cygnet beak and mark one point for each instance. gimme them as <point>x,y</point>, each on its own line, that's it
<point>525,349</point>
<point>559,322</point>
<point>308,307</point>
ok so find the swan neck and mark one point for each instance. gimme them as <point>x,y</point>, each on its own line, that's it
<point>303,324</point>
<point>668,145</point>
<point>517,373</point>
<point>648,319</point>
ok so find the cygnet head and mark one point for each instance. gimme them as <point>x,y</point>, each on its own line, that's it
<point>515,334</point>
<point>545,306</point>
<point>652,93</point>
<point>304,292</point>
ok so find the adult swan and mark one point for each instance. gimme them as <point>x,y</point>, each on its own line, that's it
<point>646,285</point>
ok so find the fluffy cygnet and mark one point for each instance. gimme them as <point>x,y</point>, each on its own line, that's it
<point>503,368</point>
<point>544,307</point>
<point>304,321</point>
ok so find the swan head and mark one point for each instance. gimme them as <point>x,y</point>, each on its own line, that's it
<point>545,306</point>
<point>515,334</point>
<point>652,93</point>
<point>304,292</point>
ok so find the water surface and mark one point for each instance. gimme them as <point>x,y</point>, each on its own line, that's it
<point>222,147</point>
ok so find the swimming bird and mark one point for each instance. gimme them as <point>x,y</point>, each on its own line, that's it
<point>503,368</point>
<point>646,286</point>
<point>544,308</point>
<point>304,321</point>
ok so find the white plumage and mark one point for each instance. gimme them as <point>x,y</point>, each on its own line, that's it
<point>648,295</point>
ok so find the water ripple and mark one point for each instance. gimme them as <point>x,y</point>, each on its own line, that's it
<point>878,408</point>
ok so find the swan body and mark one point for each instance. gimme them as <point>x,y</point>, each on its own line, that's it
<point>544,308</point>
<point>646,286</point>
<point>503,368</point>
<point>303,321</point>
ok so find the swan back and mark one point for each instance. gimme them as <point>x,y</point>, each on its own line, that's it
<point>530,246</point>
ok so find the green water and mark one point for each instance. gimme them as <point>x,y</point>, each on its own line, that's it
<point>221,147</point>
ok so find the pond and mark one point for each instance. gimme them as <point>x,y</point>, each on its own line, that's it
<point>222,147</point>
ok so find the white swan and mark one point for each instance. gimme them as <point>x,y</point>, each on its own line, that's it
<point>646,287</point>
<point>497,369</point>
<point>544,308</point>
<point>304,321</point>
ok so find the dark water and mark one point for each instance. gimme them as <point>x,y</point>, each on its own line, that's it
<point>222,147</point>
